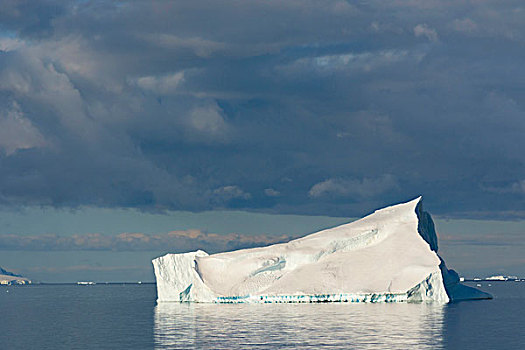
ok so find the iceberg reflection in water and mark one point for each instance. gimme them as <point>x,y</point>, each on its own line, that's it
<point>264,326</point>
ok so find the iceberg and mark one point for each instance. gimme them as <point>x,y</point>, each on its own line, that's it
<point>390,255</point>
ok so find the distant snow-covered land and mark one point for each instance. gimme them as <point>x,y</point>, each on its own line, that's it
<point>8,278</point>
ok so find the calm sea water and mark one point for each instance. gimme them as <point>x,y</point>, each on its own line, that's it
<point>127,317</point>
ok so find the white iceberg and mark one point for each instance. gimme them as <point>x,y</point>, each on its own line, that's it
<point>388,256</point>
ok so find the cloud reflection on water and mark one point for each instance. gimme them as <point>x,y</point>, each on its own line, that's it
<point>263,326</point>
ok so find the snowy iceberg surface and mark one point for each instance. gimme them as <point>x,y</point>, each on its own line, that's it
<point>388,256</point>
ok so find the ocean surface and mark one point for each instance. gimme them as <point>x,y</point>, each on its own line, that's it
<point>127,317</point>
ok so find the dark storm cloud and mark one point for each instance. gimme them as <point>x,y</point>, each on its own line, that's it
<point>337,107</point>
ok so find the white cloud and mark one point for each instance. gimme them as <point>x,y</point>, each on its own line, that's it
<point>227,193</point>
<point>165,84</point>
<point>270,192</point>
<point>362,61</point>
<point>422,30</point>
<point>364,188</point>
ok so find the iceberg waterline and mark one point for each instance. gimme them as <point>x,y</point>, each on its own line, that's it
<point>388,256</point>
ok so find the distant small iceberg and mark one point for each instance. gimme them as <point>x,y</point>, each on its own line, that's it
<point>86,283</point>
<point>9,278</point>
<point>497,278</point>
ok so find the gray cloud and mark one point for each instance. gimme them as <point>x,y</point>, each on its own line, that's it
<point>514,187</point>
<point>363,188</point>
<point>493,240</point>
<point>17,132</point>
<point>174,241</point>
<point>160,105</point>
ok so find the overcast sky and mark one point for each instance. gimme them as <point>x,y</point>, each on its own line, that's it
<point>332,108</point>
